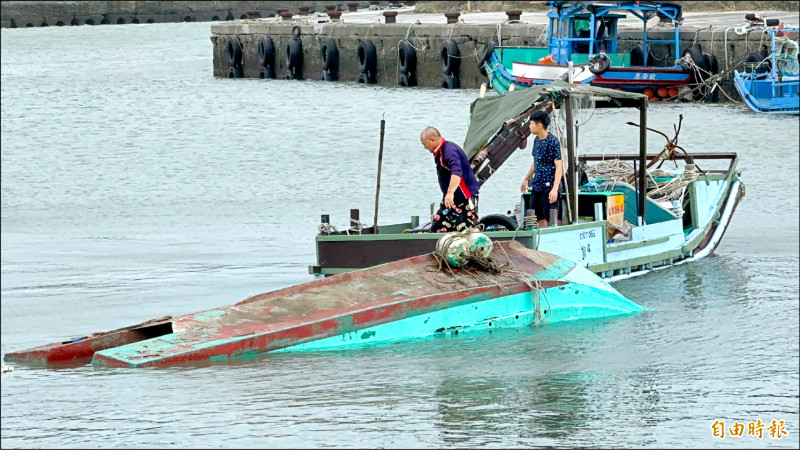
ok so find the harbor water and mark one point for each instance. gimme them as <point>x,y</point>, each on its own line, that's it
<point>136,185</point>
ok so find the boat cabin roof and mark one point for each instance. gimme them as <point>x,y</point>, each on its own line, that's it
<point>586,15</point>
<point>642,9</point>
<point>489,116</point>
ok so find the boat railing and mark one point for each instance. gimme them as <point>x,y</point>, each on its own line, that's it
<point>752,67</point>
<point>732,158</point>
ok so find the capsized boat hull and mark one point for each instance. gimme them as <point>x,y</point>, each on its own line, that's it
<point>404,299</point>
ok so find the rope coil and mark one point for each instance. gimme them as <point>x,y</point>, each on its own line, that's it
<point>506,269</point>
<point>355,226</point>
<point>327,228</point>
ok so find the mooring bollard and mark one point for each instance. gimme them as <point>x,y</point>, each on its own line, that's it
<point>355,220</point>
<point>352,7</point>
<point>390,16</point>
<point>286,15</point>
<point>334,15</point>
<point>513,14</point>
<point>452,17</point>
<point>304,10</point>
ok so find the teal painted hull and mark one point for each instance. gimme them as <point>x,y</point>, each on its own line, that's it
<point>586,297</point>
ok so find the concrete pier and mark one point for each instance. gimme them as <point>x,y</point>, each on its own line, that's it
<point>34,14</point>
<point>720,34</point>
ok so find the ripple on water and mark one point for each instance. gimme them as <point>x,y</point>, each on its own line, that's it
<point>133,190</point>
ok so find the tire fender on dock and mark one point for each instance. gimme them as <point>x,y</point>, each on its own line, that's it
<point>450,56</point>
<point>407,58</point>
<point>367,61</point>
<point>329,54</point>
<point>294,58</point>
<point>234,52</point>
<point>266,52</point>
<point>235,72</point>
<point>637,56</point>
<point>696,53</point>
<point>407,80</point>
<point>488,49</point>
<point>450,81</point>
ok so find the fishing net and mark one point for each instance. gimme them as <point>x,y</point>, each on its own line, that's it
<point>786,56</point>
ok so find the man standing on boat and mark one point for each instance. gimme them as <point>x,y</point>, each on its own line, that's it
<point>544,176</point>
<point>457,182</point>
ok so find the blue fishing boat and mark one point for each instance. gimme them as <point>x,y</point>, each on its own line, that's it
<point>583,48</point>
<point>770,86</point>
<point>652,211</point>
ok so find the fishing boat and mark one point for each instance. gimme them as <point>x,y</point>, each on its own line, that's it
<point>770,85</point>
<point>583,48</point>
<point>645,217</point>
<point>411,298</point>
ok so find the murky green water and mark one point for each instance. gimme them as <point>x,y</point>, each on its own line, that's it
<point>135,185</point>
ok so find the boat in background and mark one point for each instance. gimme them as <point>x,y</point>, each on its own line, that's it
<point>583,48</point>
<point>406,299</point>
<point>618,225</point>
<point>770,85</point>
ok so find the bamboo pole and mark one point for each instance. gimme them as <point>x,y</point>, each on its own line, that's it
<point>380,163</point>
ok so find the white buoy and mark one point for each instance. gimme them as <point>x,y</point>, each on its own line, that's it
<point>480,246</point>
<point>454,248</point>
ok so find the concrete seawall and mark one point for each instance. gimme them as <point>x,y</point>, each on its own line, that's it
<point>427,40</point>
<point>22,14</point>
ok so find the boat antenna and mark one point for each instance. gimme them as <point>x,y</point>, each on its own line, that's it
<point>380,162</point>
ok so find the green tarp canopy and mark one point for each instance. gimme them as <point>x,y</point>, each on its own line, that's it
<point>488,114</point>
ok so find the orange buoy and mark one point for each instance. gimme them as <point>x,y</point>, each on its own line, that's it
<point>648,92</point>
<point>662,92</point>
<point>782,33</point>
<point>673,92</point>
<point>654,99</point>
<point>547,60</point>
<point>619,88</point>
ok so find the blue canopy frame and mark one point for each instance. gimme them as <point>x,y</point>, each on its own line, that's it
<point>562,15</point>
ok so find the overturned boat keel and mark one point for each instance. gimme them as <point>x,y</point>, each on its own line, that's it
<point>405,299</point>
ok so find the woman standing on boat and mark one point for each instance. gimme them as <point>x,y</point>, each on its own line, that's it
<point>457,182</point>
<point>546,168</point>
